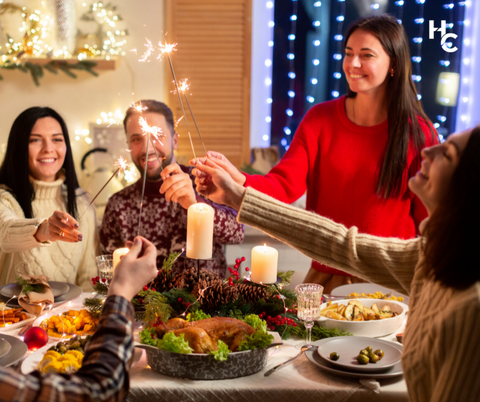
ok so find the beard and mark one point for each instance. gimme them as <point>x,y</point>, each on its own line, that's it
<point>154,175</point>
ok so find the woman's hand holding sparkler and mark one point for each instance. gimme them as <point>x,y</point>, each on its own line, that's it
<point>177,186</point>
<point>221,161</point>
<point>217,184</point>
<point>60,226</point>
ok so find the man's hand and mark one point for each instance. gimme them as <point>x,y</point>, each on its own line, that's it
<point>135,269</point>
<point>217,185</point>
<point>221,161</point>
<point>60,226</point>
<point>177,186</point>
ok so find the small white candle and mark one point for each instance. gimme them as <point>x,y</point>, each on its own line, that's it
<point>118,254</point>
<point>264,264</point>
<point>200,231</point>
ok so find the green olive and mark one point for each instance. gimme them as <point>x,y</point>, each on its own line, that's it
<point>364,352</point>
<point>369,349</point>
<point>373,358</point>
<point>334,356</point>
<point>380,353</point>
<point>75,345</point>
<point>362,359</point>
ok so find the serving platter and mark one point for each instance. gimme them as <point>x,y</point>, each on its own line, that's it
<point>20,324</point>
<point>200,366</point>
<point>14,289</point>
<point>348,348</point>
<point>313,356</point>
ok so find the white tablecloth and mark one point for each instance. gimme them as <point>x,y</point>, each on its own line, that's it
<point>298,381</point>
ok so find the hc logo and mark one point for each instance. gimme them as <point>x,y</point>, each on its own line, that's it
<point>443,33</point>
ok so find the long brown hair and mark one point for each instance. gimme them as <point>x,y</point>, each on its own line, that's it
<point>452,240</point>
<point>404,108</point>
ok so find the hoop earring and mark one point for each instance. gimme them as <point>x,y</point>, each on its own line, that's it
<point>391,72</point>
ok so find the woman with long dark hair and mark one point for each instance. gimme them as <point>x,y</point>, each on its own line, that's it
<point>40,203</point>
<point>440,270</point>
<point>353,155</point>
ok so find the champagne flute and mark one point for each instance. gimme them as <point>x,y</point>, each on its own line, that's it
<point>309,301</point>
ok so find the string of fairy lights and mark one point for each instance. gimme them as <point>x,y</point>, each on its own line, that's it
<point>338,55</point>
<point>316,57</point>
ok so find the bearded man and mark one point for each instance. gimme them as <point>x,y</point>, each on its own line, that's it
<point>169,191</point>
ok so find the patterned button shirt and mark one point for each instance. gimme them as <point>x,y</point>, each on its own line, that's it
<point>104,372</point>
<point>164,224</point>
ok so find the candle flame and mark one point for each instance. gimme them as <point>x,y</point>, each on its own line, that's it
<point>121,163</point>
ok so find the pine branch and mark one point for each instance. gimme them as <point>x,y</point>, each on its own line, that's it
<point>93,305</point>
<point>169,261</point>
<point>29,287</point>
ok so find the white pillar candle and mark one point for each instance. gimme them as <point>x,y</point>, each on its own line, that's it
<point>118,254</point>
<point>200,231</point>
<point>264,264</point>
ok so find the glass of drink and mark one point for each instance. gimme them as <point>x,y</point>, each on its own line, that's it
<point>105,266</point>
<point>309,300</point>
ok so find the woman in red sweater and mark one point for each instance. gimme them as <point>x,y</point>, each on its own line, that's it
<point>354,155</point>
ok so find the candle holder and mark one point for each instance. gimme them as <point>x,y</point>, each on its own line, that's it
<point>184,255</point>
<point>249,278</point>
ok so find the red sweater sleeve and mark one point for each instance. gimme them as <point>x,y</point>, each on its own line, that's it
<point>287,181</point>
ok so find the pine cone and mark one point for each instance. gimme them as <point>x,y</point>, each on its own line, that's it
<point>217,294</point>
<point>163,282</point>
<point>190,277</point>
<point>252,293</point>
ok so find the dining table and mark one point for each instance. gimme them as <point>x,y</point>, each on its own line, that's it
<point>300,380</point>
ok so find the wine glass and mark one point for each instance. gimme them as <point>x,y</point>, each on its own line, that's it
<point>105,266</point>
<point>309,301</point>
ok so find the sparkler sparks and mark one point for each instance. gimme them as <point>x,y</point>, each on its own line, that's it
<point>138,107</point>
<point>148,52</point>
<point>154,130</point>
<point>121,163</point>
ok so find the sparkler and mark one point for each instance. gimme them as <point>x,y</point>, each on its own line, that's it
<point>184,86</point>
<point>121,163</point>
<point>167,48</point>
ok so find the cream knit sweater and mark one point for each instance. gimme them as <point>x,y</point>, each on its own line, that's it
<point>60,261</point>
<point>441,357</point>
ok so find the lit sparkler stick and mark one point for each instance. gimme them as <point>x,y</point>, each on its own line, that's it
<point>143,186</point>
<point>167,48</point>
<point>121,163</point>
<point>184,86</point>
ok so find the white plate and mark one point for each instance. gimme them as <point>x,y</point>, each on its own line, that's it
<point>372,328</point>
<point>323,364</point>
<point>14,289</point>
<point>20,324</point>
<point>4,347</point>
<point>17,352</point>
<point>73,292</point>
<point>346,290</point>
<point>349,347</point>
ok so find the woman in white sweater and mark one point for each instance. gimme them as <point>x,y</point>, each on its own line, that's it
<point>40,202</point>
<point>440,271</point>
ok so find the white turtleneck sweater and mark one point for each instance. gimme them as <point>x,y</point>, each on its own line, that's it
<point>20,252</point>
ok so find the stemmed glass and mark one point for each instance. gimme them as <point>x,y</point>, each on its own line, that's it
<point>105,266</point>
<point>309,301</point>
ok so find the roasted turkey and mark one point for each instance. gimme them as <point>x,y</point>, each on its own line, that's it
<point>203,335</point>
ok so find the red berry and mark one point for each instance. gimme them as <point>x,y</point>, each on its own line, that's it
<point>189,304</point>
<point>236,266</point>
<point>294,324</point>
<point>247,269</point>
<point>243,258</point>
<point>179,300</point>
<point>154,289</point>
<point>238,261</point>
<point>145,287</point>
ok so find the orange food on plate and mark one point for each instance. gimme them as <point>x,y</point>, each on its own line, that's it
<point>70,323</point>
